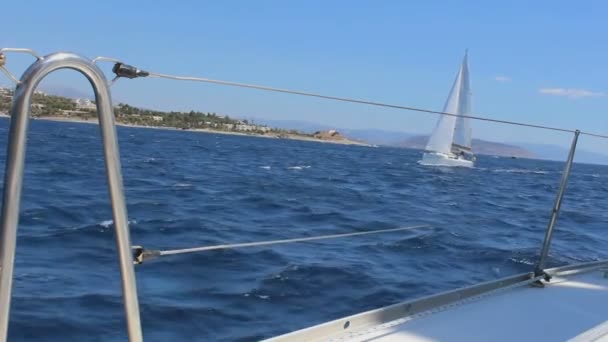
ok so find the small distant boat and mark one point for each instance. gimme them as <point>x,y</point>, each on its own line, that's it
<point>450,143</point>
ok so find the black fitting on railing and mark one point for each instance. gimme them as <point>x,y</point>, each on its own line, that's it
<point>141,254</point>
<point>541,273</point>
<point>2,59</point>
<point>128,71</point>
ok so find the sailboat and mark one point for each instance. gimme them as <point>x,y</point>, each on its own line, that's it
<point>450,143</point>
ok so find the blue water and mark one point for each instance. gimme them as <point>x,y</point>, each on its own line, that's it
<point>188,189</point>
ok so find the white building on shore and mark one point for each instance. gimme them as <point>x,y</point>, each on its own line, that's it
<point>84,104</point>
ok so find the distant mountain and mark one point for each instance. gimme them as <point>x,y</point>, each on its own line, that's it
<point>553,152</point>
<point>64,91</point>
<point>403,139</point>
<point>479,147</point>
<point>376,136</point>
<point>501,149</point>
<point>72,93</point>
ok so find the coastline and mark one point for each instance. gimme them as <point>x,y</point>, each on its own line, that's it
<point>203,130</point>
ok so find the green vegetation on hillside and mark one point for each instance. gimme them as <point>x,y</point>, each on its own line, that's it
<point>5,101</point>
<point>57,106</point>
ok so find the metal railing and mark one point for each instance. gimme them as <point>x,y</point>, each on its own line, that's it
<point>20,115</point>
<point>9,221</point>
<point>544,252</point>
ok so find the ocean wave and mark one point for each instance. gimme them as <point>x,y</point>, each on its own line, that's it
<point>489,222</point>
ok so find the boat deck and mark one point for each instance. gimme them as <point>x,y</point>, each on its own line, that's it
<point>570,307</point>
<point>564,309</point>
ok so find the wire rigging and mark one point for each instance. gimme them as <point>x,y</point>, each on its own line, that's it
<point>141,254</point>
<point>128,71</point>
<point>351,100</point>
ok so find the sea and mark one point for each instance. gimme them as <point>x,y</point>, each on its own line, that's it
<point>187,189</point>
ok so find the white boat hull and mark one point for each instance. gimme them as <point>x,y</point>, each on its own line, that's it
<point>572,307</point>
<point>441,159</point>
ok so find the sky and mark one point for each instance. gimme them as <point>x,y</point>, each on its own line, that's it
<point>542,62</point>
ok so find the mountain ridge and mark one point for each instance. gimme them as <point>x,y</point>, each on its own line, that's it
<point>396,138</point>
<point>479,146</point>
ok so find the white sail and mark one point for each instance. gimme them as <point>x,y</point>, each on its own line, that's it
<point>462,131</point>
<point>450,129</point>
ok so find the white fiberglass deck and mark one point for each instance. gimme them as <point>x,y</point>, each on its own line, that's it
<point>563,310</point>
<point>573,307</point>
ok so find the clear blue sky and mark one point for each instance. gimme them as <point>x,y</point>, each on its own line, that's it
<point>394,51</point>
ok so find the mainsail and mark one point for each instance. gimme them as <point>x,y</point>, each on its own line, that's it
<point>451,130</point>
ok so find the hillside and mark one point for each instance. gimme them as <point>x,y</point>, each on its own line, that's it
<point>62,108</point>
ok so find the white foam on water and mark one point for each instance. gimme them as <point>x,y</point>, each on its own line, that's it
<point>298,167</point>
<point>537,172</point>
<point>267,167</point>
<point>108,223</point>
<point>183,185</point>
<point>524,261</point>
<point>265,297</point>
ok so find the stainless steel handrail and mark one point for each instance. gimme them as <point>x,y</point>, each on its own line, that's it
<point>14,177</point>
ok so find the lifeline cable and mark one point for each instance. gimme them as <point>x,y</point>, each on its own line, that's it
<point>142,254</point>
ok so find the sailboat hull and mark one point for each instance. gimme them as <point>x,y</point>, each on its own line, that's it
<point>441,159</point>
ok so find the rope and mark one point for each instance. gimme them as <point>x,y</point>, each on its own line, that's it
<point>142,254</point>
